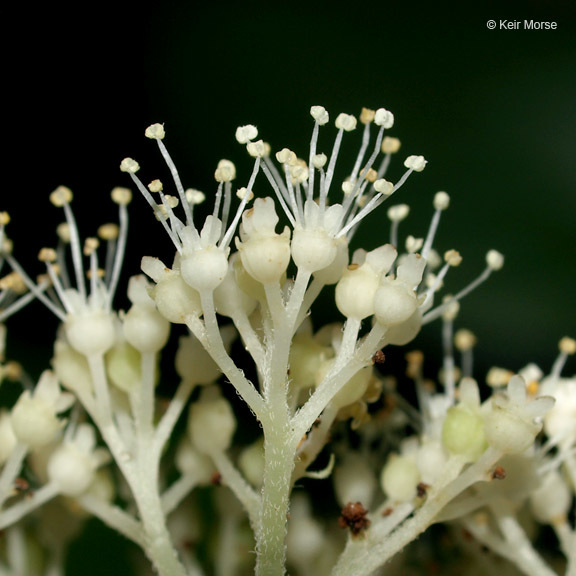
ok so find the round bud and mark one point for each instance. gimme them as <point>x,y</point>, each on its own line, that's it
<point>71,469</point>
<point>552,500</point>
<point>193,363</point>
<point>355,292</point>
<point>91,332</point>
<point>175,299</point>
<point>229,298</point>
<point>394,303</point>
<point>204,269</point>
<point>34,421</point>
<point>145,328</point>
<point>399,478</point>
<point>312,250</point>
<point>354,480</point>
<point>211,422</point>
<point>190,462</point>
<point>251,462</point>
<point>463,433</point>
<point>353,390</point>
<point>123,365</point>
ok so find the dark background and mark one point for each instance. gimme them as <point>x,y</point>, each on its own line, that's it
<point>494,112</point>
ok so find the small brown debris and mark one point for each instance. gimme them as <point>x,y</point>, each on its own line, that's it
<point>216,479</point>
<point>422,489</point>
<point>499,473</point>
<point>353,517</point>
<point>21,485</point>
<point>379,357</point>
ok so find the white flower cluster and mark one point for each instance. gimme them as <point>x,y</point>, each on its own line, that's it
<point>96,432</point>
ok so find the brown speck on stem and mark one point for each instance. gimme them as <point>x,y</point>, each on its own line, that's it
<point>216,479</point>
<point>499,473</point>
<point>353,517</point>
<point>422,489</point>
<point>379,357</point>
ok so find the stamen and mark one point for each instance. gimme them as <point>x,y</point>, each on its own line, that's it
<point>567,348</point>
<point>266,168</point>
<point>61,197</point>
<point>156,132</point>
<point>494,261</point>
<point>441,203</point>
<point>130,166</point>
<point>230,232</point>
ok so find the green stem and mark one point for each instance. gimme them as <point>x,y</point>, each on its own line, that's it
<point>272,525</point>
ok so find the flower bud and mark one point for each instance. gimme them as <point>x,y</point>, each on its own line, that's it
<point>552,500</point>
<point>73,464</point>
<point>123,365</point>
<point>35,414</point>
<point>394,303</point>
<point>354,481</point>
<point>71,470</point>
<point>399,478</point>
<point>251,462</point>
<point>175,299</point>
<point>265,255</point>
<point>191,462</point>
<point>229,298</point>
<point>204,269</point>
<point>211,422</point>
<point>193,363</point>
<point>463,433</point>
<point>313,250</point>
<point>353,390</point>
<point>143,326</point>
<point>90,332</point>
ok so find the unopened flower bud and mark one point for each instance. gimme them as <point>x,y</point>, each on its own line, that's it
<point>211,423</point>
<point>463,433</point>
<point>399,478</point>
<point>552,500</point>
